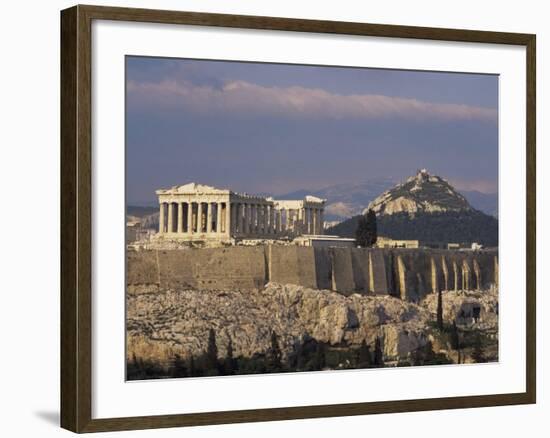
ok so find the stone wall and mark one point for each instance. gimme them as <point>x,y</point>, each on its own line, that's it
<point>406,273</point>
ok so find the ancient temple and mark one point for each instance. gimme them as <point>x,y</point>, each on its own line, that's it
<point>200,212</point>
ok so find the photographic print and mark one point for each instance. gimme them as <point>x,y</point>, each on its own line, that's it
<point>300,218</point>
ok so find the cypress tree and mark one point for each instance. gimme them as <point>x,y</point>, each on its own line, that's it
<point>274,355</point>
<point>230,363</point>
<point>361,237</point>
<point>192,369</point>
<point>366,232</point>
<point>300,357</point>
<point>212,353</point>
<point>455,340</point>
<point>320,357</point>
<point>372,229</point>
<point>364,356</point>
<point>378,353</point>
<point>178,367</point>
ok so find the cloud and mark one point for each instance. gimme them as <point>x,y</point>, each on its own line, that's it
<point>247,98</point>
<point>480,185</point>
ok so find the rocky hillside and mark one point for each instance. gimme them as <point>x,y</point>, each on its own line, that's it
<point>177,322</point>
<point>457,227</point>
<point>426,207</point>
<point>422,193</point>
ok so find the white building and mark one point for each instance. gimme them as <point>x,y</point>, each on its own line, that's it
<point>199,212</point>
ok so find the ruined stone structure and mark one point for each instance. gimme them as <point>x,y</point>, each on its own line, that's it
<point>409,274</point>
<point>200,212</point>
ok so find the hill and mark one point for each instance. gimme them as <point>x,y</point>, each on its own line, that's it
<point>471,226</point>
<point>426,207</point>
<point>422,193</point>
<point>347,200</point>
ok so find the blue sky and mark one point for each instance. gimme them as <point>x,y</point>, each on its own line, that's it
<point>277,128</point>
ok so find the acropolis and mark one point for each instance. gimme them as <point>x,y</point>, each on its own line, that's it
<point>197,212</point>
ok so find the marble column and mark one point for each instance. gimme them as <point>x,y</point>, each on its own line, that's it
<point>322,221</point>
<point>170,217</point>
<point>180,218</point>
<point>213,223</point>
<point>228,218</point>
<point>241,218</point>
<point>199,217</point>
<point>246,227</point>
<point>233,208</point>
<point>235,217</point>
<point>190,217</point>
<point>161,217</point>
<point>209,217</point>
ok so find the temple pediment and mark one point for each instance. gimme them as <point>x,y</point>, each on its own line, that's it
<point>310,198</point>
<point>193,188</point>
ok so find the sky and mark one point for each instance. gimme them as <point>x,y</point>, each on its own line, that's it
<point>277,128</point>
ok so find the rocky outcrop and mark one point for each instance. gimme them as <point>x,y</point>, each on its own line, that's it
<point>422,193</point>
<point>170,322</point>
<point>467,308</point>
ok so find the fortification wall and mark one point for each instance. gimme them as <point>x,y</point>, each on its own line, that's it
<point>407,273</point>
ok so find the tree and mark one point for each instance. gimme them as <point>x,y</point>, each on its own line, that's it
<point>192,369</point>
<point>372,228</point>
<point>378,353</point>
<point>212,353</point>
<point>230,363</point>
<point>364,360</point>
<point>274,355</point>
<point>440,310</point>
<point>300,357</point>
<point>455,340</point>
<point>178,367</point>
<point>366,232</point>
<point>320,361</point>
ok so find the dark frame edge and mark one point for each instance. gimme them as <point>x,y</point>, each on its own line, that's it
<point>75,348</point>
<point>531,217</point>
<point>304,412</point>
<point>69,326</point>
<point>76,342</point>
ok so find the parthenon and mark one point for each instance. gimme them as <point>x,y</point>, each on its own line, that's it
<point>199,212</point>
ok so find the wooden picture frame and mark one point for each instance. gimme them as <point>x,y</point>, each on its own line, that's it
<point>76,217</point>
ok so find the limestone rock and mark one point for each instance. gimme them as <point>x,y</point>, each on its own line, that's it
<point>421,193</point>
<point>177,321</point>
<point>466,308</point>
